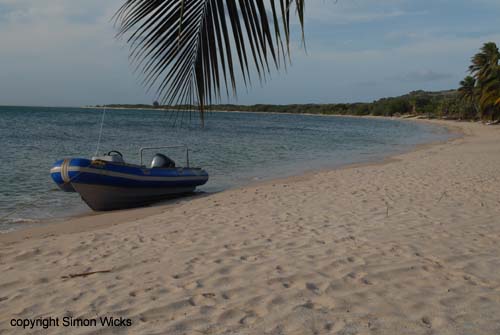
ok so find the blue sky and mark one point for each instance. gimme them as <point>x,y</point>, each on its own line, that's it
<point>63,52</point>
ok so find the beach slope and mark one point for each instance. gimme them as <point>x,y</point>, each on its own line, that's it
<point>407,246</point>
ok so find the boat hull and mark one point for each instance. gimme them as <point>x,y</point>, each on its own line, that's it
<point>106,198</point>
<point>109,186</point>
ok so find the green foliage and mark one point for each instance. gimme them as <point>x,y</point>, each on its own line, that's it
<point>418,103</point>
<point>482,89</point>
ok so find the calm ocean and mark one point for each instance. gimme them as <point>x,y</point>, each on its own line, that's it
<point>235,148</point>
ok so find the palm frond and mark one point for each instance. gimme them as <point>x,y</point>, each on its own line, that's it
<point>468,91</point>
<point>485,62</point>
<point>191,51</point>
<point>490,92</point>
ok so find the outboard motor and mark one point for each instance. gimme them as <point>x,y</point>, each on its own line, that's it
<point>162,161</point>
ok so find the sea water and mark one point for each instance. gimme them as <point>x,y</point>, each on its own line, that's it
<point>235,148</point>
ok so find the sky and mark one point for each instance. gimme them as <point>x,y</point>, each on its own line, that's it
<point>64,52</point>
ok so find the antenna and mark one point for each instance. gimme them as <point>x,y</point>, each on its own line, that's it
<point>100,132</point>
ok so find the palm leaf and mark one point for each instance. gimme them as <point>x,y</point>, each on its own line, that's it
<point>490,93</point>
<point>485,62</point>
<point>191,51</point>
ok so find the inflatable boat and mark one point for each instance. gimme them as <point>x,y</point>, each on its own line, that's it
<point>108,182</point>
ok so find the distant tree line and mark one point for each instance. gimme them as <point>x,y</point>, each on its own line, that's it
<point>430,104</point>
<point>477,98</point>
<point>443,104</point>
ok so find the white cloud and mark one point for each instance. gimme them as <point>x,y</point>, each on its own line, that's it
<point>63,52</point>
<point>352,11</point>
<point>31,26</point>
<point>422,76</point>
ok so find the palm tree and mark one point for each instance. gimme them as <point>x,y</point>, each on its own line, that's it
<point>467,90</point>
<point>468,93</point>
<point>490,94</point>
<point>190,50</point>
<point>485,62</point>
<point>486,71</point>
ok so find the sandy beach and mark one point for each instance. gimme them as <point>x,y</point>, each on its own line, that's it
<point>407,246</point>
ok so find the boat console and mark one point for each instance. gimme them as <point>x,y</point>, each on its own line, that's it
<point>112,156</point>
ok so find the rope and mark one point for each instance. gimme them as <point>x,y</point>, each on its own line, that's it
<point>100,132</point>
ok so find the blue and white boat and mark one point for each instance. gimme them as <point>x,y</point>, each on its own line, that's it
<point>108,182</point>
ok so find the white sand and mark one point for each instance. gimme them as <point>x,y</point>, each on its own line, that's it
<point>411,246</point>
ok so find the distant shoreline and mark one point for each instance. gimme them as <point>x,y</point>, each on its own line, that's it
<point>394,117</point>
<point>430,105</point>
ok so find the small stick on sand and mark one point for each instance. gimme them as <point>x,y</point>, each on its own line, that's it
<point>386,208</point>
<point>85,274</point>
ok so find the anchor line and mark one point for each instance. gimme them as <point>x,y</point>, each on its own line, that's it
<point>100,131</point>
